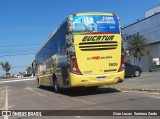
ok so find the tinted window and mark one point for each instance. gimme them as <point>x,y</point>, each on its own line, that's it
<point>127,64</point>
<point>96,24</point>
<point>53,46</point>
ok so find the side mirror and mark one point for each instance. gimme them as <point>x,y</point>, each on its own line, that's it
<point>34,63</point>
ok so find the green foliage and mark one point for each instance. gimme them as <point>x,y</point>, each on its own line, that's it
<point>27,75</point>
<point>29,70</point>
<point>138,47</point>
<point>5,66</point>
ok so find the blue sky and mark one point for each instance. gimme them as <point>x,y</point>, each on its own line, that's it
<point>26,24</point>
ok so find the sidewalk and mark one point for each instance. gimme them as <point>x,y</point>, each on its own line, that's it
<point>148,81</point>
<point>16,78</point>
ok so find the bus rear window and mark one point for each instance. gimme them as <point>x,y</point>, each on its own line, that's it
<point>96,23</point>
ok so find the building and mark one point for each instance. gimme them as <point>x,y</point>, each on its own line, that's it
<point>149,27</point>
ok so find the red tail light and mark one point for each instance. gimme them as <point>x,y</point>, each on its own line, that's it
<point>74,15</point>
<point>122,66</point>
<point>74,66</point>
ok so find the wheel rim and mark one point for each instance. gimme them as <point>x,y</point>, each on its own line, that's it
<point>137,73</point>
<point>37,82</point>
<point>55,86</point>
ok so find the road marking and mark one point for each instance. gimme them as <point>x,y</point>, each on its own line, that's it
<point>149,94</point>
<point>4,90</point>
<point>3,108</point>
<point>28,88</point>
<point>6,102</point>
<point>16,80</point>
<point>157,97</point>
<point>85,101</point>
<point>78,116</point>
<point>6,99</point>
<point>146,92</point>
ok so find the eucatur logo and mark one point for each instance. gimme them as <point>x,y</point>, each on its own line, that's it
<point>98,38</point>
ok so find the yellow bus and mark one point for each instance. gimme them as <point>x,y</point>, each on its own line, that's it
<point>85,51</point>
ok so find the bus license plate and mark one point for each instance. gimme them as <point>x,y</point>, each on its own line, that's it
<point>101,78</point>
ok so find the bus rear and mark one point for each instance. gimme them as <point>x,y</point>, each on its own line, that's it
<point>98,56</point>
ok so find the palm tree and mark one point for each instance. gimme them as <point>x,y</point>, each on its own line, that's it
<point>138,47</point>
<point>29,70</point>
<point>6,66</point>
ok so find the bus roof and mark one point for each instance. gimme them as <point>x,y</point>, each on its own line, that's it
<point>94,13</point>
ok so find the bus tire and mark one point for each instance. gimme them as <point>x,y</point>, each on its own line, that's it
<point>56,87</point>
<point>38,85</point>
<point>55,84</point>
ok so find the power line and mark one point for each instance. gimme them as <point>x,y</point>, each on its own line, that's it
<point>17,51</point>
<point>18,54</point>
<point>18,45</point>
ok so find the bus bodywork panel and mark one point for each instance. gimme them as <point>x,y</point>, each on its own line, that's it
<point>51,58</point>
<point>98,47</point>
<point>98,67</point>
<point>98,57</point>
<point>96,80</point>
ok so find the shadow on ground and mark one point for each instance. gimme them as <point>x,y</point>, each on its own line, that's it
<point>74,92</point>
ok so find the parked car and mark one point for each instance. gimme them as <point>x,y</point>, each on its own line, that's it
<point>132,70</point>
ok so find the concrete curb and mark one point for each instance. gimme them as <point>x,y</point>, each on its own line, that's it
<point>135,89</point>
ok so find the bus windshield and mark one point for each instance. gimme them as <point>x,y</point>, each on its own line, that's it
<point>96,23</point>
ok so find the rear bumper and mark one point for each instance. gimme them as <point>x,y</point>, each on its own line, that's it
<point>91,80</point>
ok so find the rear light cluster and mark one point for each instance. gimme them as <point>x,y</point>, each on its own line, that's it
<point>122,65</point>
<point>74,66</point>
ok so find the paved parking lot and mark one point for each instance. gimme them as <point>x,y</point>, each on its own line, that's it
<point>148,81</point>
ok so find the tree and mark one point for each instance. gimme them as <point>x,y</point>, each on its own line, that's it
<point>29,70</point>
<point>5,66</point>
<point>138,47</point>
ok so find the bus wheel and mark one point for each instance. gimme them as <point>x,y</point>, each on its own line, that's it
<point>37,83</point>
<point>56,87</point>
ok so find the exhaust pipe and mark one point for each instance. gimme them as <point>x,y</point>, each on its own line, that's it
<point>120,81</point>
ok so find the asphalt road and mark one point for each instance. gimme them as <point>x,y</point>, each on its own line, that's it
<point>24,95</point>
